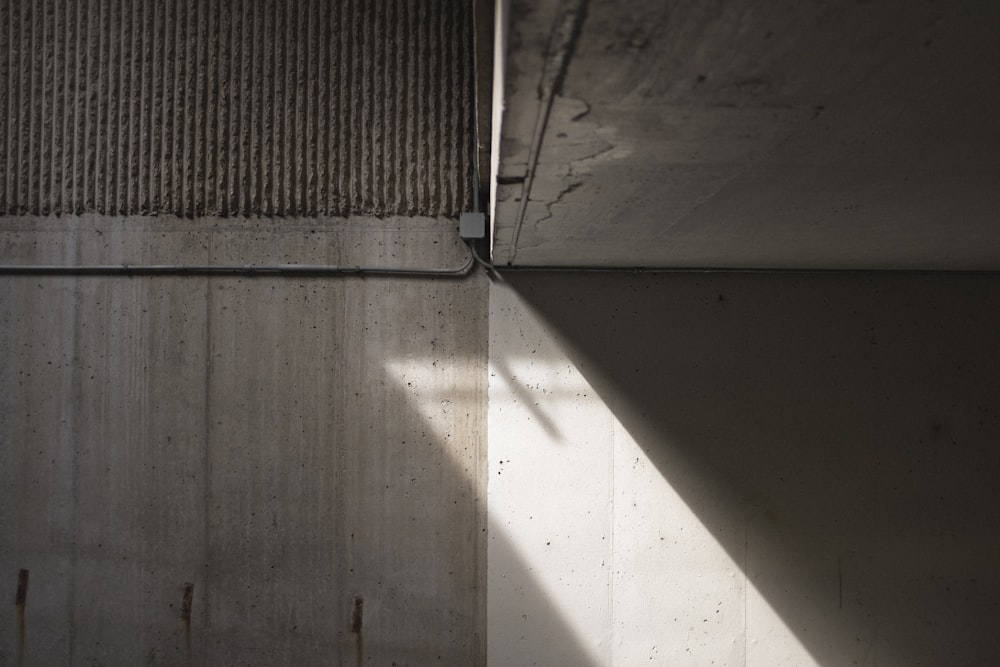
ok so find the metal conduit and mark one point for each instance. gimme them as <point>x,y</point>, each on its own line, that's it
<point>493,271</point>
<point>315,270</point>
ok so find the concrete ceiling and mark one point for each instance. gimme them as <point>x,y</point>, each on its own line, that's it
<point>749,134</point>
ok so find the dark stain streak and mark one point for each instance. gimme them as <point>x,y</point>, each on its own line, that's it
<point>20,601</point>
<point>357,613</point>
<point>186,604</point>
<point>22,589</point>
<point>566,30</point>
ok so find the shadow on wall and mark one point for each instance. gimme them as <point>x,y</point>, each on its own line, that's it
<point>837,434</point>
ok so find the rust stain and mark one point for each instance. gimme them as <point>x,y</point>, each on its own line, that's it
<point>20,601</point>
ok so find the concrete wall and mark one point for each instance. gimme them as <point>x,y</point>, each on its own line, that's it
<point>241,470</point>
<point>744,469</point>
<point>750,469</point>
<point>237,107</point>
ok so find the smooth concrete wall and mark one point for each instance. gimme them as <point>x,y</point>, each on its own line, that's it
<point>744,469</point>
<point>241,470</point>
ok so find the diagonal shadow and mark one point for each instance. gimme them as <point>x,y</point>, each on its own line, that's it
<point>836,434</point>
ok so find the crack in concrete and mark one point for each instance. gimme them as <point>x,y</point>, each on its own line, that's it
<point>566,29</point>
<point>593,156</point>
<point>562,194</point>
<point>575,179</point>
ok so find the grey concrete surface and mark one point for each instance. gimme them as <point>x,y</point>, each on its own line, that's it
<point>744,469</point>
<point>212,470</point>
<point>256,107</point>
<point>750,134</point>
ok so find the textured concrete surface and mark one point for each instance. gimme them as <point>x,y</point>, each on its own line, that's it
<point>744,470</point>
<point>229,470</point>
<point>749,134</point>
<point>252,107</point>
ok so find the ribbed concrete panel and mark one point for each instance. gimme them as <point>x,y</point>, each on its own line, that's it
<point>236,107</point>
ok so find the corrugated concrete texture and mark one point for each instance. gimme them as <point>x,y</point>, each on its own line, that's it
<point>223,471</point>
<point>242,107</point>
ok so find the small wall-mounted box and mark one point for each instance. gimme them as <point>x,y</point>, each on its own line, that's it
<point>472,226</point>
